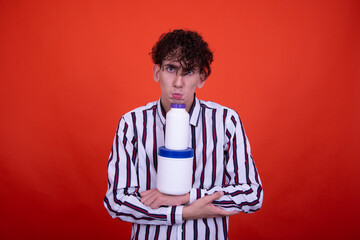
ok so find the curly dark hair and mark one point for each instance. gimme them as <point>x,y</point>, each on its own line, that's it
<point>187,47</point>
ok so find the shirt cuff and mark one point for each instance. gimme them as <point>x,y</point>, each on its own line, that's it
<point>175,216</point>
<point>195,193</point>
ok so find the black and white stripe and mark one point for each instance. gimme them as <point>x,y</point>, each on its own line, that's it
<point>222,162</point>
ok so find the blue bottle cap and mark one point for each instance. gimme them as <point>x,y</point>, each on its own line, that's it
<point>178,105</point>
<point>187,153</point>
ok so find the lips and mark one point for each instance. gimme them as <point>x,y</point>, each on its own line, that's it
<point>177,96</point>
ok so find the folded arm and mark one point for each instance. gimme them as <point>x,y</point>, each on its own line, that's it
<point>122,199</point>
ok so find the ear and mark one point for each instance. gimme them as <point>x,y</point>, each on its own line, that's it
<point>156,72</point>
<point>202,80</point>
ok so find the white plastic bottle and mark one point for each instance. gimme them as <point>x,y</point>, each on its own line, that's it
<point>177,128</point>
<point>174,173</point>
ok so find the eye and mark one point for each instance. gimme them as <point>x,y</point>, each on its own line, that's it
<point>170,69</point>
<point>190,72</point>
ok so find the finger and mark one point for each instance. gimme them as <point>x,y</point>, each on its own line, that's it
<point>148,201</point>
<point>147,192</point>
<point>155,205</point>
<point>156,200</point>
<point>149,198</point>
<point>222,212</point>
<point>227,214</point>
<point>214,196</point>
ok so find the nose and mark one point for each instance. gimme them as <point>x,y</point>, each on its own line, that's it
<point>178,81</point>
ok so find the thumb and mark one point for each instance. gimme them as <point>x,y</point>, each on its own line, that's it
<point>215,196</point>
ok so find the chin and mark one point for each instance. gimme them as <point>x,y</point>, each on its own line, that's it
<point>174,100</point>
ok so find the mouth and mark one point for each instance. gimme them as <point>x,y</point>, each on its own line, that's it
<point>177,96</point>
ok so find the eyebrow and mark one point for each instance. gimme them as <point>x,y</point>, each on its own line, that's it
<point>172,65</point>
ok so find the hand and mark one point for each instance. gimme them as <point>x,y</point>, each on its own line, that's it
<point>154,199</point>
<point>203,208</point>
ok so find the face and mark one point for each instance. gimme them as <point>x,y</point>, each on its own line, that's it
<point>177,86</point>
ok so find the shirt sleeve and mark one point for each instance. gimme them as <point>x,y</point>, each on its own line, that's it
<point>244,190</point>
<point>122,199</point>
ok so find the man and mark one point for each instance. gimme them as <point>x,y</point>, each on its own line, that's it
<point>225,179</point>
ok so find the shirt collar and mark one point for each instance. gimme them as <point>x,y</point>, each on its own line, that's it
<point>194,112</point>
<point>161,112</point>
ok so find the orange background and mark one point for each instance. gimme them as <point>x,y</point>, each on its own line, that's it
<point>70,69</point>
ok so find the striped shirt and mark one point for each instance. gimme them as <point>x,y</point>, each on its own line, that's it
<point>222,162</point>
